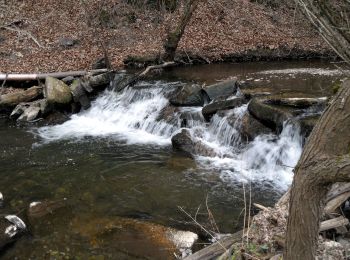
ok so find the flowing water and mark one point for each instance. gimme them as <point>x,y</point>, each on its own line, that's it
<point>115,159</point>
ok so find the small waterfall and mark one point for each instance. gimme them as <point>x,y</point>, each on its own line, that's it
<point>130,115</point>
<point>136,116</point>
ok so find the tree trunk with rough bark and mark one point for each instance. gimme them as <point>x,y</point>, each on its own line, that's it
<point>331,19</point>
<point>325,160</point>
<point>174,37</point>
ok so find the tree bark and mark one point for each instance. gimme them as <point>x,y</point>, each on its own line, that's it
<point>325,160</point>
<point>34,76</point>
<point>332,31</point>
<point>174,37</point>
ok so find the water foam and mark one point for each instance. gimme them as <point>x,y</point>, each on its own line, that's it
<point>310,71</point>
<point>133,116</point>
<point>130,116</point>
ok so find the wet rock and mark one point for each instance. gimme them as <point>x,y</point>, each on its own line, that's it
<point>121,80</point>
<point>11,229</point>
<point>79,94</point>
<point>167,114</point>
<point>296,102</point>
<point>30,111</point>
<point>251,128</point>
<point>142,238</point>
<point>307,124</point>
<point>249,92</point>
<point>270,115</point>
<point>222,89</point>
<point>99,81</point>
<point>209,110</point>
<point>55,118</point>
<point>57,92</point>
<point>188,95</point>
<point>184,142</point>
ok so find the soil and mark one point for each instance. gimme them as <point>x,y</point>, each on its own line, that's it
<point>51,35</point>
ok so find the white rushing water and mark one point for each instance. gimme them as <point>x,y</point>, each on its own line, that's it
<point>134,116</point>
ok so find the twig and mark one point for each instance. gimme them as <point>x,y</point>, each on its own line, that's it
<point>211,217</point>
<point>245,213</point>
<point>26,33</point>
<point>11,23</point>
<point>205,230</point>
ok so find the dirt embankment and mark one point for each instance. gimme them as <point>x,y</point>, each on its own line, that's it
<point>68,35</point>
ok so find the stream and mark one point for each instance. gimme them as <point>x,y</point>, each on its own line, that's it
<point>116,160</point>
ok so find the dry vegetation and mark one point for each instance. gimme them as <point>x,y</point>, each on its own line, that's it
<point>219,29</point>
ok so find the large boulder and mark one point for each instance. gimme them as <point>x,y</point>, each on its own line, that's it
<point>251,128</point>
<point>222,89</point>
<point>184,142</point>
<point>57,92</point>
<point>11,229</point>
<point>308,123</point>
<point>31,111</point>
<point>188,95</point>
<point>209,110</point>
<point>270,115</point>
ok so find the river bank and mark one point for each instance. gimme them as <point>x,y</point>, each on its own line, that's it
<point>49,36</point>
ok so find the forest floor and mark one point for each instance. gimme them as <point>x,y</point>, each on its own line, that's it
<point>49,35</point>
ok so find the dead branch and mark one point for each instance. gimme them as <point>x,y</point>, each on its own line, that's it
<point>10,28</point>
<point>34,76</point>
<point>141,75</point>
<point>333,223</point>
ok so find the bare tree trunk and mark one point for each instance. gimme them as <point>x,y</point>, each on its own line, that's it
<point>174,37</point>
<point>335,31</point>
<point>325,160</point>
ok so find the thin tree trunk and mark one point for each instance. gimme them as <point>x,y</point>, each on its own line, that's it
<point>325,160</point>
<point>174,37</point>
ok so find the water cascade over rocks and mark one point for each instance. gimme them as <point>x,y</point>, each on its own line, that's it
<point>144,115</point>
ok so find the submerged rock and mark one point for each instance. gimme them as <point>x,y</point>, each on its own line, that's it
<point>31,111</point>
<point>11,229</point>
<point>184,142</point>
<point>42,208</point>
<point>222,89</point>
<point>56,91</point>
<point>188,95</point>
<point>209,110</point>
<point>141,238</point>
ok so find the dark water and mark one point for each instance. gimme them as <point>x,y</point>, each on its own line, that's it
<point>102,178</point>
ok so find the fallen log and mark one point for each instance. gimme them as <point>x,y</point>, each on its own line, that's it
<point>216,249</point>
<point>34,76</point>
<point>333,223</point>
<point>13,99</point>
